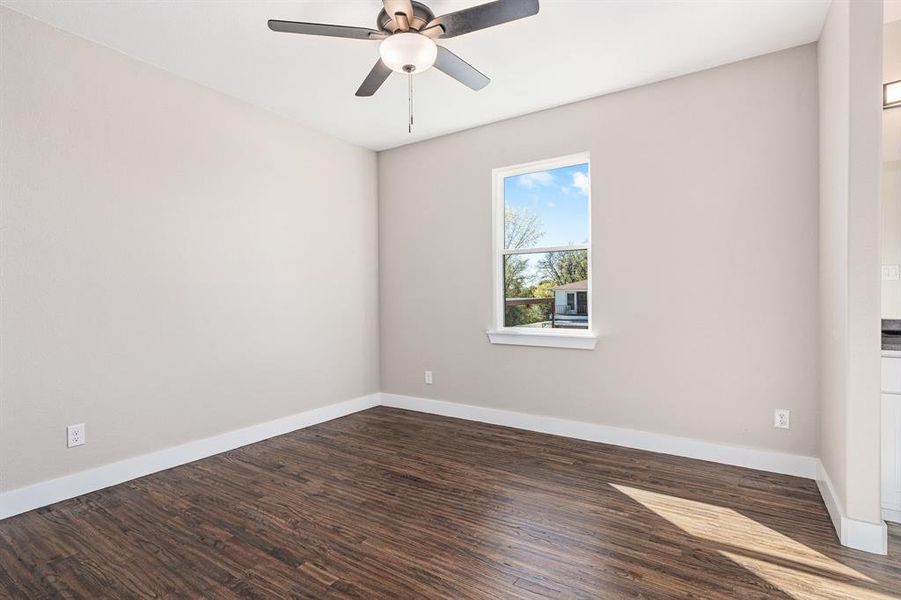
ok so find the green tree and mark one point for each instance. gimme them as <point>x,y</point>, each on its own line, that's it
<point>515,276</point>
<point>564,267</point>
<point>543,289</point>
<point>522,229</point>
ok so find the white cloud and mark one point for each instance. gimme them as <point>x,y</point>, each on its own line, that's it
<point>551,204</point>
<point>564,189</point>
<point>533,180</point>
<point>580,182</point>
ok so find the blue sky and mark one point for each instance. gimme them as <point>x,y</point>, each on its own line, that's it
<point>560,199</point>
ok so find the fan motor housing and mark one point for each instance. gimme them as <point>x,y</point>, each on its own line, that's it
<point>423,15</point>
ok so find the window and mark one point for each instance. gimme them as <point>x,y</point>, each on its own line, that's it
<point>542,253</point>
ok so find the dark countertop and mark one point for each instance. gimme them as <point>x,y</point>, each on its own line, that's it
<point>891,334</point>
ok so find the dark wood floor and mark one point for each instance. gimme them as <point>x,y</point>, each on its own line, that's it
<point>396,504</point>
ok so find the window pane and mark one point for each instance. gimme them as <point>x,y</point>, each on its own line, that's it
<point>546,290</point>
<point>546,208</point>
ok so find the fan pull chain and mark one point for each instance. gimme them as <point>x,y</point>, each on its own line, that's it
<point>410,101</point>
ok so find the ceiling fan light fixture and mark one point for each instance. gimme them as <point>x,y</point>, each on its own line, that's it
<point>408,52</point>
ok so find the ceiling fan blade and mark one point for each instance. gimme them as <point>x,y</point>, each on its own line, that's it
<point>375,79</point>
<point>434,31</point>
<point>340,31</point>
<point>484,16</point>
<point>460,70</point>
<point>404,7</point>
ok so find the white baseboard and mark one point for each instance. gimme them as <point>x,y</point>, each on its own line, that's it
<point>860,535</point>
<point>753,458</point>
<point>890,514</point>
<point>857,534</point>
<point>41,494</point>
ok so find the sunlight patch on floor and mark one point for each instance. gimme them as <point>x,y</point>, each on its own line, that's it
<point>804,585</point>
<point>760,548</point>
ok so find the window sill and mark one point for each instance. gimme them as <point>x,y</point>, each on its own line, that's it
<point>582,340</point>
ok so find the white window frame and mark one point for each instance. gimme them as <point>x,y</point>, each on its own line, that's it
<point>524,336</point>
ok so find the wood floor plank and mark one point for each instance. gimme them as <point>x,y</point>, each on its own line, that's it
<point>397,504</point>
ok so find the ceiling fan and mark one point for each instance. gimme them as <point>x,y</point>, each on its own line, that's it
<point>408,29</point>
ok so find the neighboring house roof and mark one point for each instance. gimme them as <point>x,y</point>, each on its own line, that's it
<point>575,286</point>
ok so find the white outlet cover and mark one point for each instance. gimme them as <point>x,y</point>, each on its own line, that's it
<point>782,418</point>
<point>75,435</point>
<point>891,272</point>
<point>428,377</point>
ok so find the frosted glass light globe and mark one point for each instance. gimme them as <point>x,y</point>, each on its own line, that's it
<point>402,50</point>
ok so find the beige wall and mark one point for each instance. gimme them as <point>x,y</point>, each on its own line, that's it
<point>833,285</point>
<point>704,269</point>
<point>175,264</point>
<point>891,173</point>
<point>849,73</point>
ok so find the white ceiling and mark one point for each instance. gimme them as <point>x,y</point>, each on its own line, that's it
<point>573,49</point>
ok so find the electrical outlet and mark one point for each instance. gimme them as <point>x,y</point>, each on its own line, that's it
<point>782,418</point>
<point>75,435</point>
<point>428,377</point>
<point>891,272</point>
